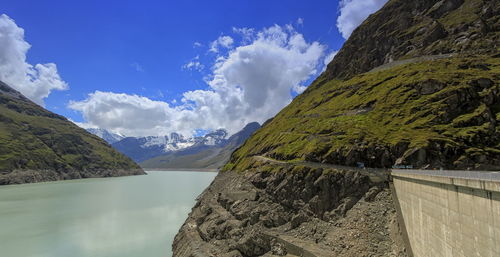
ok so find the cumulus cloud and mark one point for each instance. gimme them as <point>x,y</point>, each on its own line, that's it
<point>249,82</point>
<point>354,12</point>
<point>34,81</point>
<point>222,41</point>
<point>197,44</point>
<point>123,113</point>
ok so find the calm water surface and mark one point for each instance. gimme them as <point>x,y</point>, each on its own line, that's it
<point>125,216</point>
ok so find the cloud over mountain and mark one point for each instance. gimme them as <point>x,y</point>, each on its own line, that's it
<point>354,12</point>
<point>34,81</point>
<point>250,81</point>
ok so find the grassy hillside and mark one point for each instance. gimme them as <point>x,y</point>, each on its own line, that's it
<point>443,113</point>
<point>416,84</point>
<point>38,145</point>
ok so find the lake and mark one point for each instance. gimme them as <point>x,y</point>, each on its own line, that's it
<point>102,217</point>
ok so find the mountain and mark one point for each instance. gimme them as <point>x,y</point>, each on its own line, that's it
<point>202,156</point>
<point>106,135</point>
<point>422,91</point>
<point>417,83</point>
<point>38,145</point>
<point>144,148</point>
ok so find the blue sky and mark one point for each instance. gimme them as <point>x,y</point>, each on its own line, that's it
<point>143,49</point>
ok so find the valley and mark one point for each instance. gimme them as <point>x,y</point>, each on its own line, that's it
<point>327,128</point>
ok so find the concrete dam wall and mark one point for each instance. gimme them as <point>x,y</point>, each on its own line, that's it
<point>450,213</point>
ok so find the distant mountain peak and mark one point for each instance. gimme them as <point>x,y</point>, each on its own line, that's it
<point>216,137</point>
<point>143,148</point>
<point>108,136</point>
<point>39,145</point>
<point>210,151</point>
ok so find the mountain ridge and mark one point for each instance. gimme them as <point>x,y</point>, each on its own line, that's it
<point>144,148</point>
<point>429,106</point>
<point>422,111</point>
<point>38,145</point>
<point>202,156</point>
<point>415,29</point>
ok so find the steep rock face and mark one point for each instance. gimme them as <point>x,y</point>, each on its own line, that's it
<point>420,107</point>
<point>38,145</point>
<point>297,211</point>
<point>416,84</point>
<point>430,114</point>
<point>407,29</point>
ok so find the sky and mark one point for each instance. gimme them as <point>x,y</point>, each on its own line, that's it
<point>141,68</point>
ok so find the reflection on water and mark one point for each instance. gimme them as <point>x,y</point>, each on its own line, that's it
<point>126,216</point>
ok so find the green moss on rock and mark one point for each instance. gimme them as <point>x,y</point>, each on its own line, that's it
<point>380,118</point>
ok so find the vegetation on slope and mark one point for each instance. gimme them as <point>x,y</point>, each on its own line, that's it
<point>406,29</point>
<point>431,102</point>
<point>49,146</point>
<point>444,113</point>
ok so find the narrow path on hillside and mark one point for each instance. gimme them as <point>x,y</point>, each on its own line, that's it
<point>411,60</point>
<point>376,174</point>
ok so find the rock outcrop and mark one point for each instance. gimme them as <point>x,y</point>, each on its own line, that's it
<point>431,105</point>
<point>417,84</point>
<point>406,29</point>
<point>292,211</point>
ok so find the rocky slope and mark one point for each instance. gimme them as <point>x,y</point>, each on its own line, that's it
<point>38,145</point>
<point>202,156</point>
<point>429,111</point>
<point>292,211</point>
<point>145,148</point>
<point>416,84</point>
<point>407,29</point>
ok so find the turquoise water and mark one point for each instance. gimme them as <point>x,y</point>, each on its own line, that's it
<point>107,217</point>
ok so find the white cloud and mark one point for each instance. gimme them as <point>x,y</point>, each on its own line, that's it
<point>194,64</point>
<point>329,58</point>
<point>123,113</point>
<point>354,12</point>
<point>251,82</point>
<point>299,89</point>
<point>83,124</point>
<point>247,34</point>
<point>34,81</point>
<point>224,41</point>
<point>197,44</point>
<point>300,21</point>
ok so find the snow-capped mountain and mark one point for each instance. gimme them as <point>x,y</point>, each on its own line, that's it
<point>143,148</point>
<point>106,135</point>
<point>217,137</point>
<point>215,151</point>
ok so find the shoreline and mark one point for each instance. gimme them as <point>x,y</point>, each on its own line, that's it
<point>182,169</point>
